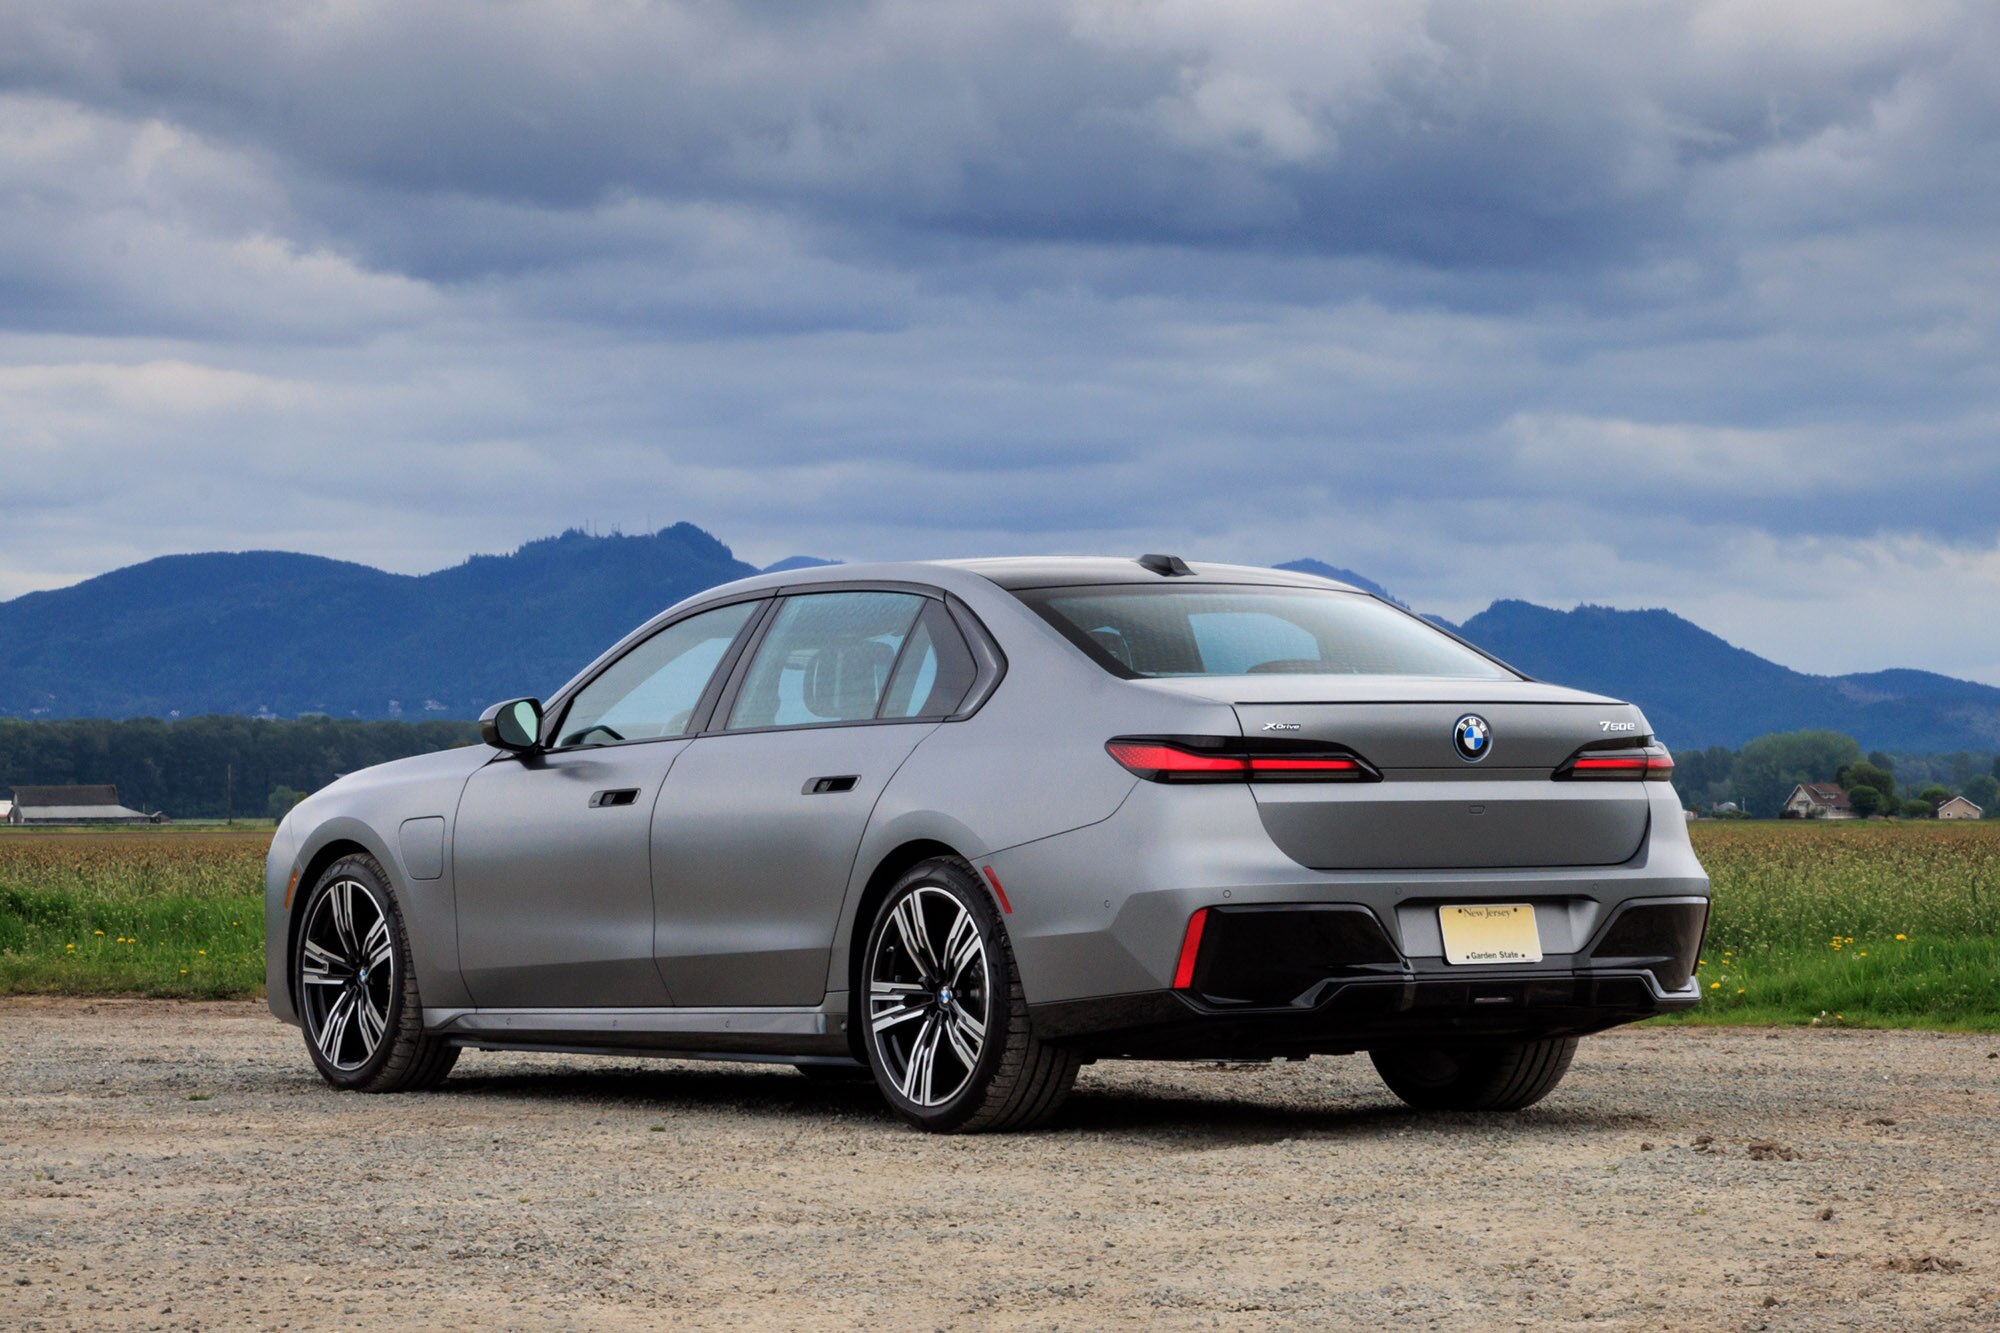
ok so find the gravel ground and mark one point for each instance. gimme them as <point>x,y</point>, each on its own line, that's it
<point>170,1165</point>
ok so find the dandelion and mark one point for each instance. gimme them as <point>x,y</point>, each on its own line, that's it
<point>1902,937</point>
<point>204,953</point>
<point>1715,985</point>
<point>1862,954</point>
<point>99,932</point>
<point>1739,990</point>
<point>184,971</point>
<point>69,946</point>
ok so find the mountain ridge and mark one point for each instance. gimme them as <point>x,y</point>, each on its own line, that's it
<point>262,633</point>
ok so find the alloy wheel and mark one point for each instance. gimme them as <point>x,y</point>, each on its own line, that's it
<point>347,973</point>
<point>929,996</point>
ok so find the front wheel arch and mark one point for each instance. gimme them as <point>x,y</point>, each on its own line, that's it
<point>296,894</point>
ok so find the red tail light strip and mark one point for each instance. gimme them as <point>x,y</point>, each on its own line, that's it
<point>1230,760</point>
<point>1190,950</point>
<point>1654,764</point>
<point>1158,758</point>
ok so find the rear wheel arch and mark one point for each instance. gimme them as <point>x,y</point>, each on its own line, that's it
<point>888,870</point>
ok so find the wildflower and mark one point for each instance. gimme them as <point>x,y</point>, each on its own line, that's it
<point>1739,990</point>
<point>99,932</point>
<point>1902,937</point>
<point>204,953</point>
<point>184,971</point>
<point>69,946</point>
<point>1715,985</point>
<point>1862,954</point>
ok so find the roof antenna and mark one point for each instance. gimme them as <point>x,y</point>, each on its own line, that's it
<point>1166,566</point>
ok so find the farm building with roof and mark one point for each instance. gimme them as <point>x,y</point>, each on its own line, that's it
<point>1818,800</point>
<point>74,805</point>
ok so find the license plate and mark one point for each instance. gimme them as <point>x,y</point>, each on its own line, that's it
<point>1490,933</point>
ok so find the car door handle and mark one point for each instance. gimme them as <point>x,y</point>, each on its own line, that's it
<point>821,786</point>
<point>606,799</point>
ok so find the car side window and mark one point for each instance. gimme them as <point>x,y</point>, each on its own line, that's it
<point>652,690</point>
<point>936,670</point>
<point>826,658</point>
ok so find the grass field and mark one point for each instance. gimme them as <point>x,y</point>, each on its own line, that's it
<point>1852,924</point>
<point>142,911</point>
<point>1877,924</point>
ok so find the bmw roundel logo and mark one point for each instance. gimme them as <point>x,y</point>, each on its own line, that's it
<point>1472,738</point>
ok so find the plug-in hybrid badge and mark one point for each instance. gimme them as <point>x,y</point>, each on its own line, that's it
<point>1472,738</point>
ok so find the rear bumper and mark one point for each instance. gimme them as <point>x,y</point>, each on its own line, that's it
<point>1325,978</point>
<point>1359,1015</point>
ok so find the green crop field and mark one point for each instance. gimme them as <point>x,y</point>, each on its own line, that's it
<point>1859,924</point>
<point>1878,924</point>
<point>142,911</point>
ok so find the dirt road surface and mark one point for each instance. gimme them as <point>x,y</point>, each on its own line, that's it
<point>172,1165</point>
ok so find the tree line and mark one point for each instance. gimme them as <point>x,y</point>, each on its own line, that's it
<point>1757,778</point>
<point>210,767</point>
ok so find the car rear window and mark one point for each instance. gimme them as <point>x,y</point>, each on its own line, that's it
<point>1153,630</point>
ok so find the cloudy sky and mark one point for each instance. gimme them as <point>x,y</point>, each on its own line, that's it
<point>1642,303</point>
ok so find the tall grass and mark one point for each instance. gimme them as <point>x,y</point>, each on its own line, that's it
<point>1853,923</point>
<point>149,912</point>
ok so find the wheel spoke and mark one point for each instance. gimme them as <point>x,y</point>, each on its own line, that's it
<point>379,945</point>
<point>895,1002</point>
<point>888,1018</point>
<point>973,1027</point>
<point>963,1044</point>
<point>326,961</point>
<point>916,936</point>
<point>373,1023</point>
<point>919,1074</point>
<point>333,1031</point>
<point>961,947</point>
<point>343,914</point>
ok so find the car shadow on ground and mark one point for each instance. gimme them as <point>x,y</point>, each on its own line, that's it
<point>1182,1118</point>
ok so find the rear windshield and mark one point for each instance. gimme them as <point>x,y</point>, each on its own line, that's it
<point>1146,630</point>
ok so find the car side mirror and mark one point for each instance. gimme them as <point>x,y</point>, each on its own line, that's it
<point>515,726</point>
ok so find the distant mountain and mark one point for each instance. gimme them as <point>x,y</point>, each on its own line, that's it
<point>792,562</point>
<point>271,633</point>
<point>265,632</point>
<point>1698,690</point>
<point>1320,569</point>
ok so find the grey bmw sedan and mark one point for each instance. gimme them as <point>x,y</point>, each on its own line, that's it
<point>963,827</point>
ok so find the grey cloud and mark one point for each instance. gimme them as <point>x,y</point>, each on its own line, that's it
<point>1649,303</point>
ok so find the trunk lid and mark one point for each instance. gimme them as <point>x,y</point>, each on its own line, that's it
<point>1433,809</point>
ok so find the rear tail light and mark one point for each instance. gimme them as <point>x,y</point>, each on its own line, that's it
<point>1623,764</point>
<point>1233,759</point>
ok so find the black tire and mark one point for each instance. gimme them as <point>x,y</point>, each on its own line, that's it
<point>401,1058</point>
<point>1475,1076</point>
<point>1014,1081</point>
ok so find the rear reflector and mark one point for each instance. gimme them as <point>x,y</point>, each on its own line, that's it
<point>1231,759</point>
<point>998,892</point>
<point>1652,763</point>
<point>1190,950</point>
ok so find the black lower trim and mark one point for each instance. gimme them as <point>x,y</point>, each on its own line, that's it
<point>1360,1014</point>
